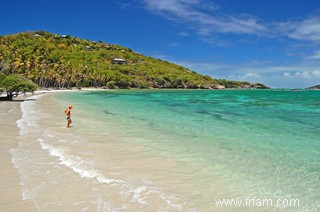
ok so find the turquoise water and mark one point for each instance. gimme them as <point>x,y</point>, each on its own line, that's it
<point>258,143</point>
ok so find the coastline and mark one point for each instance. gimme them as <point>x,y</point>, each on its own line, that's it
<point>10,187</point>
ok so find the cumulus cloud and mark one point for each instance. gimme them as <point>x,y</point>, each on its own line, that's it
<point>315,74</point>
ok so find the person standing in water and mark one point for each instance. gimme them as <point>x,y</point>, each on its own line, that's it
<point>68,114</point>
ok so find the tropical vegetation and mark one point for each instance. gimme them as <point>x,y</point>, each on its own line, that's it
<point>62,61</point>
<point>14,84</point>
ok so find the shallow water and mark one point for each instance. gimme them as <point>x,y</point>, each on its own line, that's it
<point>171,150</point>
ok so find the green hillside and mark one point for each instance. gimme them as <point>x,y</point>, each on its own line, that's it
<point>52,60</point>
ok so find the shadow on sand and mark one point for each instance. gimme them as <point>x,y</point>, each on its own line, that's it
<point>5,99</point>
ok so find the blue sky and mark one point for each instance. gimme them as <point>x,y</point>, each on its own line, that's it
<point>276,42</point>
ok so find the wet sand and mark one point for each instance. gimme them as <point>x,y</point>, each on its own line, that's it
<point>10,188</point>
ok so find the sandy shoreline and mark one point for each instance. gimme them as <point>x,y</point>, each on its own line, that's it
<point>10,188</point>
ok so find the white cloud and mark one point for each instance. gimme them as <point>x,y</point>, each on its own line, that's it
<point>184,34</point>
<point>252,75</point>
<point>316,55</point>
<point>315,74</point>
<point>308,29</point>
<point>299,79</point>
<point>205,19</point>
<point>286,74</point>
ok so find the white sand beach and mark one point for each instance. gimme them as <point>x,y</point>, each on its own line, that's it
<point>10,188</point>
<point>11,191</point>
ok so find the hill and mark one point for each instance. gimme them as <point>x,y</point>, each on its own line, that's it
<point>53,60</point>
<point>316,87</point>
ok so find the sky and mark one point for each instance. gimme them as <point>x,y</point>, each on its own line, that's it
<point>275,42</point>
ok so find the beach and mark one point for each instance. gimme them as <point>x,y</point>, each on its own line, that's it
<point>159,151</point>
<point>10,187</point>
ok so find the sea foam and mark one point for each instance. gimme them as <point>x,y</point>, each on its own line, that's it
<point>29,115</point>
<point>85,169</point>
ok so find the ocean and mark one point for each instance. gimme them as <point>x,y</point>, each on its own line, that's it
<point>171,150</point>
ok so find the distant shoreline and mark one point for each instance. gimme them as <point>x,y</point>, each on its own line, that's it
<point>74,89</point>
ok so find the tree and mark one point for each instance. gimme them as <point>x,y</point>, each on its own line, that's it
<point>2,77</point>
<point>14,84</point>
